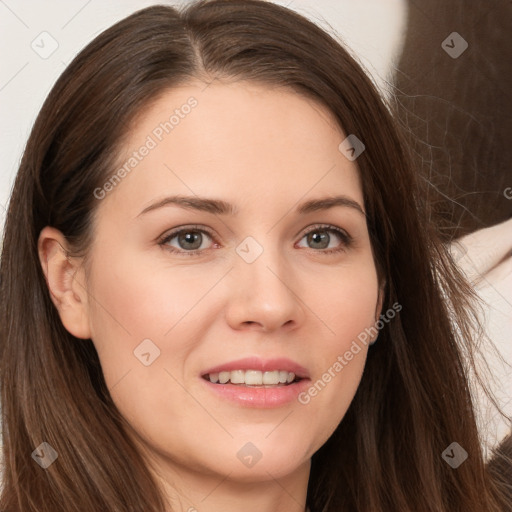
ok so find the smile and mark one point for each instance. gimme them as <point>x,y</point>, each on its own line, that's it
<point>257,382</point>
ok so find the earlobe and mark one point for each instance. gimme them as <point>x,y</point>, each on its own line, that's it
<point>63,275</point>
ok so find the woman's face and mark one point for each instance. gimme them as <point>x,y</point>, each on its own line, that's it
<point>258,285</point>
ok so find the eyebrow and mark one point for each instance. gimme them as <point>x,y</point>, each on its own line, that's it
<point>219,207</point>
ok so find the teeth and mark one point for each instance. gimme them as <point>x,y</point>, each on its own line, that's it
<point>271,377</point>
<point>237,377</point>
<point>253,377</point>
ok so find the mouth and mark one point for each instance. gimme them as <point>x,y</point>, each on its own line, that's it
<point>254,382</point>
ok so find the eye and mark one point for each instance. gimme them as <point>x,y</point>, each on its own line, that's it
<point>320,237</point>
<point>188,240</point>
<point>191,240</point>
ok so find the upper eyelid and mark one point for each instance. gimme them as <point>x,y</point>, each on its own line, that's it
<point>177,231</point>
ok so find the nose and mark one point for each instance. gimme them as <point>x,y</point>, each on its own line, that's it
<point>264,294</point>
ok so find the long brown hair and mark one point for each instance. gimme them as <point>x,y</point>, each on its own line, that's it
<point>413,400</point>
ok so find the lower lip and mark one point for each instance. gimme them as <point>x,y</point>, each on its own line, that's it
<point>259,397</point>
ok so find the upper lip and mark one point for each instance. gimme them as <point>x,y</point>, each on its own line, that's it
<point>264,365</point>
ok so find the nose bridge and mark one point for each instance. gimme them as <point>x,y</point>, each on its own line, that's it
<point>263,282</point>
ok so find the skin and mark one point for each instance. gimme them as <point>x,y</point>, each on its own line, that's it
<point>263,150</point>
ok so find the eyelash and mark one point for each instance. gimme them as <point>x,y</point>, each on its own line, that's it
<point>344,237</point>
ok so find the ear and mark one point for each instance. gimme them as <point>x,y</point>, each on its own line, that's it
<point>380,300</point>
<point>65,280</point>
<point>378,308</point>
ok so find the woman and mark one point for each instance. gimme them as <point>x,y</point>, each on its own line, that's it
<point>300,354</point>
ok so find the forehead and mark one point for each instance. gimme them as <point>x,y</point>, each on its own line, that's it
<point>240,139</point>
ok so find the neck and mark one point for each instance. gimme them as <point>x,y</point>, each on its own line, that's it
<point>189,491</point>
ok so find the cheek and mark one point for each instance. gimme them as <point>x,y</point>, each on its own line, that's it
<point>134,298</point>
<point>353,313</point>
<point>348,310</point>
<point>131,302</point>
<point>347,305</point>
<point>143,357</point>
